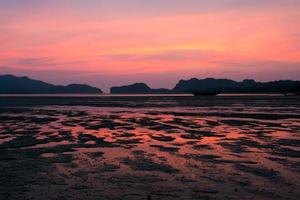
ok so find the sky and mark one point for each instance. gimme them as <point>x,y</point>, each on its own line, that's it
<point>108,43</point>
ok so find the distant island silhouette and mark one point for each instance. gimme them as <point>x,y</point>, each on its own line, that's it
<point>138,88</point>
<point>10,84</point>
<point>230,86</point>
<point>209,85</point>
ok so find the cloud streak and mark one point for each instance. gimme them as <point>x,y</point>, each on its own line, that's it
<point>114,37</point>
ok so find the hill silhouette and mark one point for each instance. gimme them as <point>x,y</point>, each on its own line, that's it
<point>138,88</point>
<point>214,85</point>
<point>10,84</point>
<point>230,86</point>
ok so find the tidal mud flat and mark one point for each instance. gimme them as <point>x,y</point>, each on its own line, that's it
<point>149,148</point>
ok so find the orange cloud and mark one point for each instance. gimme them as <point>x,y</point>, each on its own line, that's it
<point>209,40</point>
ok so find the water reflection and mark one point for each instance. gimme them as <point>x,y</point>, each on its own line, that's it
<point>168,152</point>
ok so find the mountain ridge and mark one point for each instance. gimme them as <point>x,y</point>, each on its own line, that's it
<point>230,86</point>
<point>137,88</point>
<point>215,85</point>
<point>10,84</point>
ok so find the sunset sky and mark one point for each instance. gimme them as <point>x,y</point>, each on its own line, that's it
<point>114,42</point>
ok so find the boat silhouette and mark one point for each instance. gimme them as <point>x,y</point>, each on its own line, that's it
<point>292,94</point>
<point>201,93</point>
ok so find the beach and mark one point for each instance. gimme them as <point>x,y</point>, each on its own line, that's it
<point>149,147</point>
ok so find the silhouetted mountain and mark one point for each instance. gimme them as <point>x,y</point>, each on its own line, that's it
<point>230,86</point>
<point>137,88</point>
<point>10,84</point>
<point>214,85</point>
<point>133,89</point>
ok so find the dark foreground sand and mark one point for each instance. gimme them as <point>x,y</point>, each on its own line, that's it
<point>149,148</point>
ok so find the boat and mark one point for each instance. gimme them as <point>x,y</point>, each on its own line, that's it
<point>292,94</point>
<point>198,93</point>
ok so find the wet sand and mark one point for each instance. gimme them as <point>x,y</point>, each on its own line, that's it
<point>149,148</point>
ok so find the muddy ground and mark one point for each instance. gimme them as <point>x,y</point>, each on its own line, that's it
<point>150,148</point>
